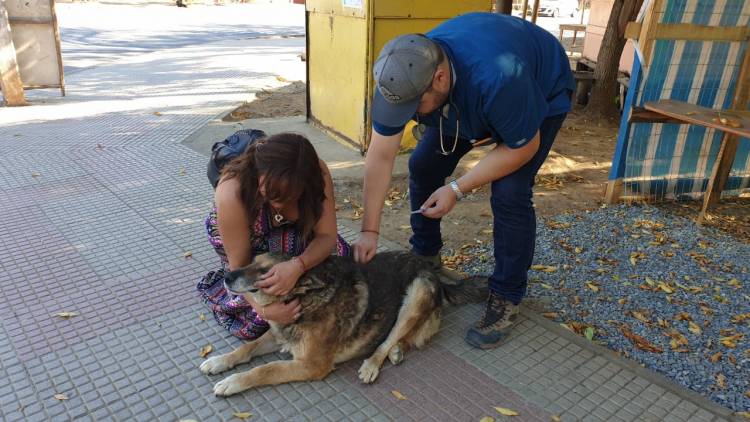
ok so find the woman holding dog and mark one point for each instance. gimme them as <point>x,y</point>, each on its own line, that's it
<point>276,197</point>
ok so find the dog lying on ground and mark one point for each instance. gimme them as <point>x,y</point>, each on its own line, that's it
<point>380,309</point>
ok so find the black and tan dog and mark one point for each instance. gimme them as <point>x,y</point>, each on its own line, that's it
<point>349,310</point>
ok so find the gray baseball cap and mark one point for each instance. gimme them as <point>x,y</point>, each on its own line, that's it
<point>403,72</point>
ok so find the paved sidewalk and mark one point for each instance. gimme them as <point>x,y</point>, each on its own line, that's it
<point>102,202</point>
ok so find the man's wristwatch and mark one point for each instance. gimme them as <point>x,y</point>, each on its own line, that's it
<point>454,186</point>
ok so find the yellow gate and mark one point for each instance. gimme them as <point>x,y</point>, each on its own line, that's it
<point>343,39</point>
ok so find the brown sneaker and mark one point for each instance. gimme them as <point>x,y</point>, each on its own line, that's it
<point>499,318</point>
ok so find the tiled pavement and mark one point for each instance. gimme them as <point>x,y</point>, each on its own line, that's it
<point>100,210</point>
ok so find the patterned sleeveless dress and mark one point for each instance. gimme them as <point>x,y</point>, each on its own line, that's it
<point>233,312</point>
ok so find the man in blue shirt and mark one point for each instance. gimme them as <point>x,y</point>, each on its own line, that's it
<point>476,76</point>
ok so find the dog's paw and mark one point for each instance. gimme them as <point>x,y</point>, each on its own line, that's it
<point>396,355</point>
<point>214,365</point>
<point>369,371</point>
<point>229,385</point>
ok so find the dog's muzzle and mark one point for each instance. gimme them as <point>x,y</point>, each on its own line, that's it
<point>233,286</point>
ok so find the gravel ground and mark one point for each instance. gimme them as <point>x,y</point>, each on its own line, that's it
<point>653,286</point>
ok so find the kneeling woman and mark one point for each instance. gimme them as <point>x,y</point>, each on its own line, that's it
<point>277,197</point>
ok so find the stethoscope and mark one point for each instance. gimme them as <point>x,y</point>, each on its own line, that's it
<point>420,128</point>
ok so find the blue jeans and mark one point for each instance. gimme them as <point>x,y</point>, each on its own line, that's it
<point>514,219</point>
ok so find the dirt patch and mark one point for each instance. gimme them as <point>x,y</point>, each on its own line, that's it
<point>286,101</point>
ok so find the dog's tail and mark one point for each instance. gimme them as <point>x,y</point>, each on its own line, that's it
<point>469,290</point>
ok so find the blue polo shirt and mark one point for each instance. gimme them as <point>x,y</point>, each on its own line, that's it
<point>509,75</point>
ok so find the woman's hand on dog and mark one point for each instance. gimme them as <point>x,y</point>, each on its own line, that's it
<point>283,313</point>
<point>281,278</point>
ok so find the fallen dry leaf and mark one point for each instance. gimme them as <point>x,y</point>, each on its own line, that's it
<point>638,341</point>
<point>187,254</point>
<point>242,415</point>
<point>715,357</point>
<point>505,411</point>
<point>662,323</point>
<point>678,342</point>
<point>281,79</point>
<point>182,171</point>
<point>60,397</point>
<point>706,309</point>
<point>544,268</point>
<point>156,113</point>
<point>35,174</point>
<point>575,327</point>
<point>592,286</point>
<point>397,394</point>
<point>721,381</point>
<point>556,225</point>
<point>550,315</point>
<point>694,328</point>
<point>99,147</point>
<point>555,418</point>
<point>639,316</point>
<point>731,344</point>
<point>205,350</point>
<point>66,315</point>
<point>745,415</point>
<point>738,319</point>
<point>202,316</point>
<point>487,419</point>
<point>635,256</point>
<point>683,316</point>
<point>665,287</point>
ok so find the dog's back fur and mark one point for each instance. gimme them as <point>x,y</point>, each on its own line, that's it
<point>349,310</point>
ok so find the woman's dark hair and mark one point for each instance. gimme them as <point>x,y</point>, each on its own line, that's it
<point>291,172</point>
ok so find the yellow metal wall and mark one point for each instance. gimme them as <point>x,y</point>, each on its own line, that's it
<point>343,42</point>
<point>337,60</point>
<point>419,9</point>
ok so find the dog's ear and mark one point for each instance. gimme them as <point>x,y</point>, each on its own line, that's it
<point>307,283</point>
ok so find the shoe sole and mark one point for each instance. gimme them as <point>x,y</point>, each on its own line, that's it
<point>506,334</point>
<point>486,346</point>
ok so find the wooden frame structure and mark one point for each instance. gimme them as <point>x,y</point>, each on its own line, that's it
<point>10,76</point>
<point>697,59</point>
<point>32,37</point>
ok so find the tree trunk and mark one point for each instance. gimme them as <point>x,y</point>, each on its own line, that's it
<point>504,7</point>
<point>602,100</point>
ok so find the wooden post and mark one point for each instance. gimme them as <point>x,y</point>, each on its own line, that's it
<point>504,7</point>
<point>535,11</point>
<point>725,159</point>
<point>56,30</point>
<point>525,9</point>
<point>582,7</point>
<point>10,77</point>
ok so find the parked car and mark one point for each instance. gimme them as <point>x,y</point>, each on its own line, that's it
<point>555,8</point>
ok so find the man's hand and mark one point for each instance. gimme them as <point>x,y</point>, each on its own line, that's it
<point>365,247</point>
<point>440,203</point>
<point>281,278</point>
